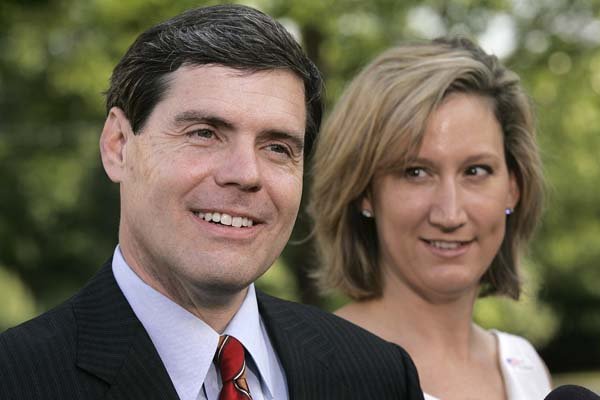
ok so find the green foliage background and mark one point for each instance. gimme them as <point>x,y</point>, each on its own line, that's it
<point>59,212</point>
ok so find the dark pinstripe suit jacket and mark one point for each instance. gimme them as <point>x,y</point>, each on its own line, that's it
<point>93,347</point>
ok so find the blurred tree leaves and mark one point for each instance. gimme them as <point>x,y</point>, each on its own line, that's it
<point>59,212</point>
<point>16,299</point>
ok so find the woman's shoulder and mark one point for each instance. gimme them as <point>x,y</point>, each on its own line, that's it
<point>525,373</point>
<point>511,344</point>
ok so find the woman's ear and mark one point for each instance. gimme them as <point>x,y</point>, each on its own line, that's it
<point>366,205</point>
<point>514,193</point>
<point>113,142</point>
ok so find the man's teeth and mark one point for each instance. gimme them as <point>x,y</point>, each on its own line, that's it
<point>226,219</point>
<point>445,245</point>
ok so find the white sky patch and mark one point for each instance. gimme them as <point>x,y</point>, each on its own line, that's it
<point>577,26</point>
<point>425,22</point>
<point>500,37</point>
<point>292,27</point>
<point>591,32</point>
<point>526,8</point>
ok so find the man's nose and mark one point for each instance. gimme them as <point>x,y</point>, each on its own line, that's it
<point>447,209</point>
<point>240,168</point>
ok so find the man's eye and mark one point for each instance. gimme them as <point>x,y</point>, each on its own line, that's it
<point>279,148</point>
<point>201,133</point>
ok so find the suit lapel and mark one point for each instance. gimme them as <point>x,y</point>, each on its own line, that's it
<point>113,345</point>
<point>307,356</point>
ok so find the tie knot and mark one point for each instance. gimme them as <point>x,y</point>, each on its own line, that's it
<point>230,358</point>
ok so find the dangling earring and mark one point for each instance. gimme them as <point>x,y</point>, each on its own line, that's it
<point>367,213</point>
<point>509,210</point>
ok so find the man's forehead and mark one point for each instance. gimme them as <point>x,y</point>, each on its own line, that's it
<point>231,73</point>
<point>213,79</point>
<point>217,93</point>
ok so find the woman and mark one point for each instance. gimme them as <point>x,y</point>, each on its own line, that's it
<point>427,186</point>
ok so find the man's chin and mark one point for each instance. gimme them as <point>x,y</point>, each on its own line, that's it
<point>218,293</point>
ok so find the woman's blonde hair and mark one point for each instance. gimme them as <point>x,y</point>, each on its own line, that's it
<point>379,122</point>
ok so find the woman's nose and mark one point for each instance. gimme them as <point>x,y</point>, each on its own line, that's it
<point>447,211</point>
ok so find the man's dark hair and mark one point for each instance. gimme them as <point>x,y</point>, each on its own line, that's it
<point>233,36</point>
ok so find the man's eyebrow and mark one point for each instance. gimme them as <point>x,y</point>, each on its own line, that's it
<point>192,116</point>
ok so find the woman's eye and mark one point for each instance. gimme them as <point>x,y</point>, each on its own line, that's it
<point>414,172</point>
<point>478,170</point>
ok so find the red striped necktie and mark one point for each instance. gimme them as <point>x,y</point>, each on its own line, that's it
<point>231,362</point>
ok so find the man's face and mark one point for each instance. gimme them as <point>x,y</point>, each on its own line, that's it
<point>211,186</point>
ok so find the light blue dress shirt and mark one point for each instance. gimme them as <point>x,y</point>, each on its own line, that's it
<point>186,344</point>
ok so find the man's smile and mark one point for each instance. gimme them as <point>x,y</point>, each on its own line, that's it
<point>226,219</point>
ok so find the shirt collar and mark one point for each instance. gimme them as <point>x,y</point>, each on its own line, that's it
<point>185,343</point>
<point>246,326</point>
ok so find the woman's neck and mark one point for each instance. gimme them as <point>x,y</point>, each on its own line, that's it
<point>445,344</point>
<point>416,324</point>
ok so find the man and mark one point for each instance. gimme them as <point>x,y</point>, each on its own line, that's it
<point>210,115</point>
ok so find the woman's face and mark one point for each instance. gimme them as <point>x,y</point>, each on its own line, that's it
<point>441,219</point>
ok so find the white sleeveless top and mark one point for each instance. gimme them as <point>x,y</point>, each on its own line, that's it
<point>524,373</point>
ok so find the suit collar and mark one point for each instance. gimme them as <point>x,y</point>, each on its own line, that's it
<point>112,344</point>
<point>185,343</point>
<point>307,355</point>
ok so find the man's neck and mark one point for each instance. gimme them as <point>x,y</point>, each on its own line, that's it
<point>216,309</point>
<point>215,306</point>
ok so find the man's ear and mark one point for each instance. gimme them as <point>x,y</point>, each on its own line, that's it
<point>113,142</point>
